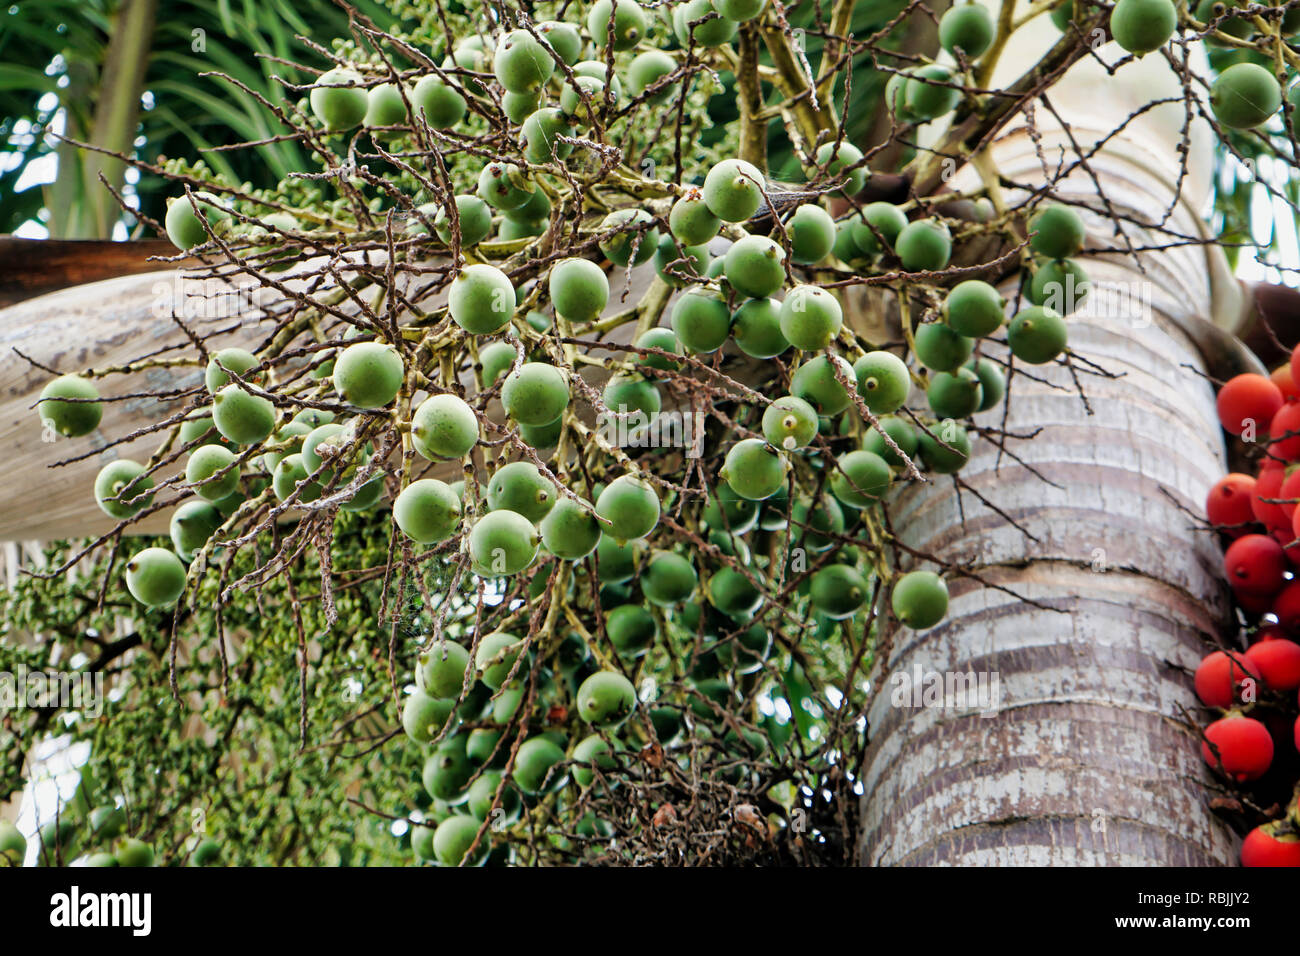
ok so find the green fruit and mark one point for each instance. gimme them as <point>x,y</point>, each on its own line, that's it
<point>993,384</point>
<point>101,860</point>
<point>338,101</point>
<point>520,487</point>
<point>606,698</point>
<point>422,843</point>
<point>814,381</point>
<point>1232,26</point>
<point>1037,335</point>
<point>648,68</point>
<point>535,211</point>
<point>631,629</point>
<point>701,321</point>
<point>454,838</point>
<point>591,752</point>
<point>679,267</point>
<point>367,374</point>
<point>903,435</point>
<point>881,218</point>
<point>627,21</point>
<point>535,394</point>
<point>482,794</point>
<point>714,31</point>
<point>739,10</point>
<point>192,524</point>
<point>755,266</point>
<point>289,474</point>
<point>1142,26</point>
<point>789,423</point>
<point>733,594</point>
<point>184,228</point>
<point>541,437</point>
<point>482,745</point>
<point>950,460</point>
<point>242,418</point>
<point>236,360</point>
<point>444,426</point>
<point>617,559</point>
<point>563,38</point>
<point>926,95</point>
<point>838,591</point>
<point>754,469</point>
<point>579,289</point>
<point>427,511</point>
<point>626,393</point>
<point>536,758</point>
<point>475,220</point>
<point>811,317</point>
<point>497,358</point>
<point>836,158</point>
<point>206,462</point>
<point>1244,96</point>
<point>973,308</point>
<point>1067,13</point>
<point>924,246</point>
<point>860,478</point>
<point>495,658</point>
<point>920,599</point>
<point>668,579</point>
<point>955,394</point>
<point>968,27</point>
<point>504,186</point>
<point>726,511</point>
<point>438,104</point>
<point>481,299</point>
<point>13,845</point>
<point>443,669</point>
<point>570,530</point>
<point>502,542</point>
<point>539,136</point>
<point>71,419</point>
<point>521,63</point>
<point>658,338</point>
<point>423,717</point>
<point>112,493</point>
<point>155,577</point>
<point>756,326</point>
<point>629,232</point>
<point>812,234</point>
<point>940,347</point>
<point>733,189</point>
<point>628,507</point>
<point>447,770</point>
<point>691,220</point>
<point>365,497</point>
<point>1061,284</point>
<point>290,437</point>
<point>1058,232</point>
<point>883,381</point>
<point>200,427</point>
<point>571,97</point>
<point>519,229</point>
<point>133,852</point>
<point>384,106</point>
<point>312,417</point>
<point>323,441</point>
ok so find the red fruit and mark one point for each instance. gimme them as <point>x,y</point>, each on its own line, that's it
<point>1270,632</point>
<point>1254,603</point>
<point>1286,607</point>
<point>1284,429</point>
<point>1218,677</point>
<point>1254,563</point>
<point>1244,746</point>
<point>1228,504</point>
<point>1277,663</point>
<point>1290,489</point>
<point>1248,400</point>
<point>1269,485</point>
<point>1262,848</point>
<point>1292,367</point>
<point>1284,379</point>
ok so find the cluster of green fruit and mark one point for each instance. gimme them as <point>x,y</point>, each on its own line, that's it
<point>68,836</point>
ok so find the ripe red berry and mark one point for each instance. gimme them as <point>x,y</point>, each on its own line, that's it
<point>1268,485</point>
<point>1248,399</point>
<point>1228,505</point>
<point>1243,745</point>
<point>1220,675</point>
<point>1254,563</point>
<point>1263,848</point>
<point>1292,367</point>
<point>1286,607</point>
<point>1284,379</point>
<point>1277,663</point>
<point>1270,632</point>
<point>1253,603</point>
<point>1284,429</point>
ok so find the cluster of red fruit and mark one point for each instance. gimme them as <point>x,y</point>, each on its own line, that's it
<point>1256,689</point>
